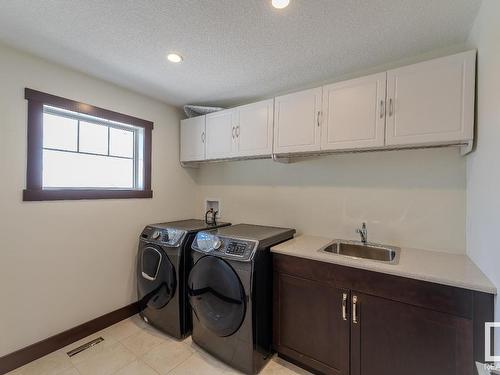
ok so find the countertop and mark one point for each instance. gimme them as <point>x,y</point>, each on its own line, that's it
<point>438,267</point>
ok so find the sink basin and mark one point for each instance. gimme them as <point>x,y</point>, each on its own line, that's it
<point>372,251</point>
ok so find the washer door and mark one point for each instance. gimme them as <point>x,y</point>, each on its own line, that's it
<point>155,277</point>
<point>216,296</point>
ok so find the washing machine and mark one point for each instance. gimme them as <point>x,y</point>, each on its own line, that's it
<point>230,292</point>
<point>163,263</point>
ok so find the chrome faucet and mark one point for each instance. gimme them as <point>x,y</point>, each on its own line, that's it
<point>363,232</point>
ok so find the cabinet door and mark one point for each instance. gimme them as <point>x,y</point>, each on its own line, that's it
<point>221,134</point>
<point>297,122</point>
<point>193,139</point>
<point>354,114</point>
<point>254,131</point>
<point>393,338</point>
<point>432,102</point>
<point>308,323</point>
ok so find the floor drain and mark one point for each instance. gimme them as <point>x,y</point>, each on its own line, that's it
<point>83,347</point>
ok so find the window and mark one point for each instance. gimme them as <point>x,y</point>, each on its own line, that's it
<point>81,151</point>
<point>77,151</point>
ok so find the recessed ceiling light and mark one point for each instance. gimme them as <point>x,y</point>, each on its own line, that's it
<point>280,4</point>
<point>174,57</point>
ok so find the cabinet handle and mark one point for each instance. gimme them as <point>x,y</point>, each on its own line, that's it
<point>238,131</point>
<point>203,137</point>
<point>382,109</point>
<point>317,121</point>
<point>354,309</point>
<point>232,132</point>
<point>391,107</point>
<point>344,306</point>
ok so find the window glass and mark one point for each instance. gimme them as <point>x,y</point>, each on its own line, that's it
<point>60,132</point>
<point>73,170</point>
<point>80,153</point>
<point>93,138</point>
<point>121,142</point>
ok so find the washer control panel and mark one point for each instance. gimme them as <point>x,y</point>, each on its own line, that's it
<point>163,236</point>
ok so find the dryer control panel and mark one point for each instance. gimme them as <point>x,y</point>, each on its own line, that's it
<point>224,247</point>
<point>238,248</point>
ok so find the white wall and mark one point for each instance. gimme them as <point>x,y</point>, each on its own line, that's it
<point>64,263</point>
<point>413,198</point>
<point>483,171</point>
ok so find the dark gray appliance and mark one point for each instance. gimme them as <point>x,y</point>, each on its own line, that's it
<point>230,292</point>
<point>163,263</point>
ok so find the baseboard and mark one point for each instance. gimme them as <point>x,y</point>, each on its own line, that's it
<point>20,357</point>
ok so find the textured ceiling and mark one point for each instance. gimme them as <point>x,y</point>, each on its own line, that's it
<point>234,50</point>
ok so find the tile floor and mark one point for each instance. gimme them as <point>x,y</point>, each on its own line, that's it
<point>131,347</point>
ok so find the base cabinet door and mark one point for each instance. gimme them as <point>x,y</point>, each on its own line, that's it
<point>311,326</point>
<point>393,338</point>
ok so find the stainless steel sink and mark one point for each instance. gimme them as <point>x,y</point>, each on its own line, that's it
<point>357,249</point>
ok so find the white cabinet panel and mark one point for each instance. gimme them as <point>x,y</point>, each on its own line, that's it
<point>354,114</point>
<point>255,129</point>
<point>431,102</point>
<point>297,122</point>
<point>221,134</point>
<point>193,139</point>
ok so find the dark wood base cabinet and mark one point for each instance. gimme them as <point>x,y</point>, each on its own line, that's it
<point>339,320</point>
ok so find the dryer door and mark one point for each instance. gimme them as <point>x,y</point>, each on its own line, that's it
<point>156,280</point>
<point>216,296</point>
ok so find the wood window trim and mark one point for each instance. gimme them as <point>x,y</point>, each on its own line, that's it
<point>34,189</point>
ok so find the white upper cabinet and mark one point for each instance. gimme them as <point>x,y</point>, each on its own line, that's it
<point>425,104</point>
<point>221,134</point>
<point>297,126</point>
<point>193,139</point>
<point>244,131</point>
<point>353,115</point>
<point>254,129</point>
<point>431,102</point>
